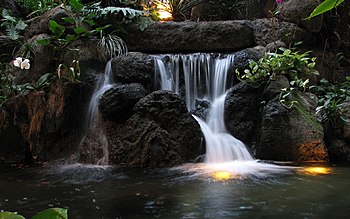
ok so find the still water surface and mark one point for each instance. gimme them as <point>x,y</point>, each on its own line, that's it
<point>106,192</point>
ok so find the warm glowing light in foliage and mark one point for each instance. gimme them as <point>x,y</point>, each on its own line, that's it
<point>222,175</point>
<point>316,170</point>
<point>164,13</point>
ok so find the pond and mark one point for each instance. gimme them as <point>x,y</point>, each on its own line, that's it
<point>110,192</point>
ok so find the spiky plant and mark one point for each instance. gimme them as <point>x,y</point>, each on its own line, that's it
<point>112,46</point>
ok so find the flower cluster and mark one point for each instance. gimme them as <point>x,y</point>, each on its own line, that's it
<point>21,63</point>
<point>279,1</point>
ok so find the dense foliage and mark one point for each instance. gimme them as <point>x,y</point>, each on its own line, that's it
<point>51,213</point>
<point>334,101</point>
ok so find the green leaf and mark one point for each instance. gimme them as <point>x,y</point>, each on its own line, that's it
<point>76,5</point>
<point>70,37</point>
<point>52,213</point>
<point>10,215</point>
<point>69,20</point>
<point>43,42</point>
<point>79,30</point>
<point>324,7</point>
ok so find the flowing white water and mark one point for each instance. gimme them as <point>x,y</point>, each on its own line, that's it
<point>206,77</point>
<point>93,117</point>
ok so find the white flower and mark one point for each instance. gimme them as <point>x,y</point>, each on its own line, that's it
<point>17,62</point>
<point>25,64</point>
<point>21,63</point>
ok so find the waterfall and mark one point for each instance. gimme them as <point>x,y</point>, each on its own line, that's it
<point>94,138</point>
<point>205,78</point>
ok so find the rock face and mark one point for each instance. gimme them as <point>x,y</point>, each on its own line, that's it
<point>134,68</point>
<point>290,134</point>
<point>213,36</point>
<point>267,31</point>
<point>230,10</point>
<point>175,37</point>
<point>159,133</point>
<point>295,11</point>
<point>242,114</point>
<point>117,102</point>
<point>47,122</point>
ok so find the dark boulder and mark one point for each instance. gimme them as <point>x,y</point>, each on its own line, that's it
<point>267,31</point>
<point>117,102</point>
<point>242,114</point>
<point>134,68</point>
<point>291,134</point>
<point>230,10</point>
<point>176,37</point>
<point>274,87</point>
<point>161,132</point>
<point>243,57</point>
<point>295,11</point>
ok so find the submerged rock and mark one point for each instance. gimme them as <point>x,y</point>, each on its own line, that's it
<point>161,132</point>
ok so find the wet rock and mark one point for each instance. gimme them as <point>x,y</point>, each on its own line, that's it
<point>242,114</point>
<point>295,11</point>
<point>270,30</point>
<point>117,102</point>
<point>290,134</point>
<point>174,37</point>
<point>134,68</point>
<point>161,132</point>
<point>274,87</point>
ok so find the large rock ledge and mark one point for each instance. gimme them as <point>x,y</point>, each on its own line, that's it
<point>166,37</point>
<point>212,36</point>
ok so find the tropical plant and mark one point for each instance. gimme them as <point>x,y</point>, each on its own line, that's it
<point>43,82</point>
<point>292,64</point>
<point>331,101</point>
<point>123,15</point>
<point>325,6</point>
<point>180,9</point>
<point>71,73</point>
<point>51,213</point>
<point>112,46</point>
<point>6,88</point>
<point>37,7</point>
<point>13,26</point>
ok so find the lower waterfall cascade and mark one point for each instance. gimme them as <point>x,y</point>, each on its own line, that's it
<point>206,77</point>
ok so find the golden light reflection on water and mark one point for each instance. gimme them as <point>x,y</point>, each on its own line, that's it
<point>316,171</point>
<point>222,175</point>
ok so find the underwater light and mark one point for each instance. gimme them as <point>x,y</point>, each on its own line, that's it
<point>316,170</point>
<point>222,175</point>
